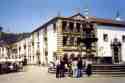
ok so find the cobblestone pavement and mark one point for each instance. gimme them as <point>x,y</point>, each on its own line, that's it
<point>36,74</point>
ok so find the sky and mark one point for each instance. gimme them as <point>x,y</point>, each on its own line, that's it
<point>26,15</point>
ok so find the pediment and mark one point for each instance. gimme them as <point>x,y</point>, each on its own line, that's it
<point>78,17</point>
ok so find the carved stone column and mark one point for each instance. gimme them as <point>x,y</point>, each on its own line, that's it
<point>75,28</point>
<point>75,41</point>
<point>67,27</point>
<point>68,40</point>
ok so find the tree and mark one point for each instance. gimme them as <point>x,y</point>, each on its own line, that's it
<point>1,28</point>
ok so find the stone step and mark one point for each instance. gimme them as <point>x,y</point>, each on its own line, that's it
<point>108,71</point>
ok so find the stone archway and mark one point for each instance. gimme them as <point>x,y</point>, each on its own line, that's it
<point>116,51</point>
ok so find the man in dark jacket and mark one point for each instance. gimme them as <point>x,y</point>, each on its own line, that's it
<point>79,66</point>
<point>62,68</point>
<point>89,70</point>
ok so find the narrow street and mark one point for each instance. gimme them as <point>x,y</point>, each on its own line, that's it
<point>36,74</point>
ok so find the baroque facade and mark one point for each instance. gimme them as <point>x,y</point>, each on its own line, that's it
<point>94,39</point>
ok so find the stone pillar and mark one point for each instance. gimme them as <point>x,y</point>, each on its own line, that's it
<point>74,27</point>
<point>67,27</point>
<point>75,41</point>
<point>68,41</point>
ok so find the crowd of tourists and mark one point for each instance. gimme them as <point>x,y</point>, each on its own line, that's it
<point>75,67</point>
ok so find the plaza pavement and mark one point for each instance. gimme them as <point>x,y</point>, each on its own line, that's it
<point>39,74</point>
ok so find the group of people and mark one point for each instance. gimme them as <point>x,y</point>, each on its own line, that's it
<point>73,67</point>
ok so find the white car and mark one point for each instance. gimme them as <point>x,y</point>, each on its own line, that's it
<point>51,67</point>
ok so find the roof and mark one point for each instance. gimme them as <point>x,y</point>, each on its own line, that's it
<point>108,22</point>
<point>91,19</point>
<point>101,20</point>
<point>44,25</point>
<point>10,38</point>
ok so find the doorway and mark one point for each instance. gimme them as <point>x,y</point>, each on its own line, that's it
<point>116,51</point>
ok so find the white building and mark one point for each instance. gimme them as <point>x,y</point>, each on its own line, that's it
<point>11,50</point>
<point>60,36</point>
<point>70,36</point>
<point>108,34</point>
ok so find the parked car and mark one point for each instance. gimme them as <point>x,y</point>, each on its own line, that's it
<point>19,66</point>
<point>3,68</point>
<point>11,66</point>
<point>51,67</point>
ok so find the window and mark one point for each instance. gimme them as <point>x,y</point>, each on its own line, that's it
<point>38,44</point>
<point>78,27</point>
<point>32,43</point>
<point>71,40</point>
<point>105,37</point>
<point>38,33</point>
<point>71,26</point>
<point>123,38</point>
<point>78,41</point>
<point>64,40</point>
<point>54,27</point>
<point>33,58</point>
<point>83,26</point>
<point>64,25</point>
<point>19,48</point>
<point>24,46</point>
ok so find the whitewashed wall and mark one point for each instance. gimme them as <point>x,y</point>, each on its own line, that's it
<point>104,49</point>
<point>52,42</point>
<point>3,51</point>
<point>32,54</point>
<point>42,46</point>
<point>20,44</point>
